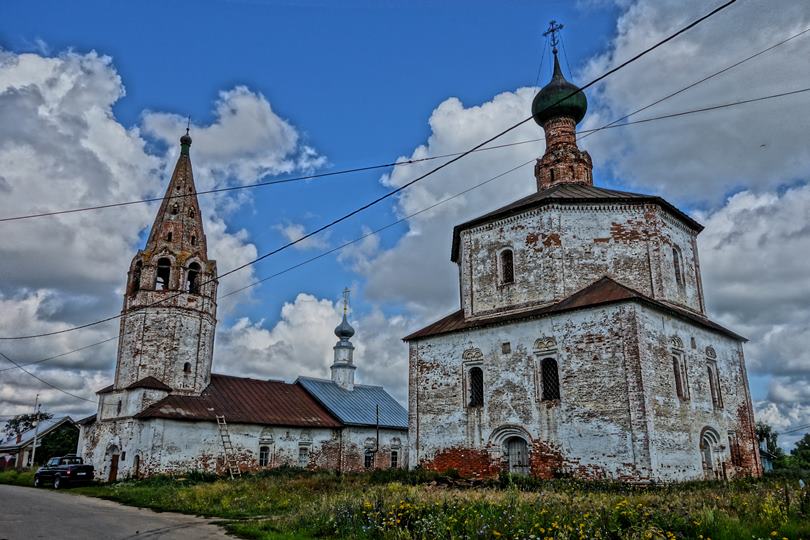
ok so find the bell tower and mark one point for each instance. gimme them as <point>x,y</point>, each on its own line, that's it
<point>169,314</point>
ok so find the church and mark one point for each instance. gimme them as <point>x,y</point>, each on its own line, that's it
<point>582,345</point>
<point>166,413</point>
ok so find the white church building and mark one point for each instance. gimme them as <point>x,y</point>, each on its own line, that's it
<point>165,412</point>
<point>582,345</point>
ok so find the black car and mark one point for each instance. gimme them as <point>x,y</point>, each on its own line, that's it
<point>63,471</point>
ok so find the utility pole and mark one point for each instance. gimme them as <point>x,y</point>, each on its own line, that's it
<point>36,431</point>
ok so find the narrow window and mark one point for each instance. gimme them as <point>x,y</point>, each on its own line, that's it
<point>394,459</point>
<point>368,461</point>
<point>135,285</point>
<point>193,240</point>
<point>175,209</point>
<point>507,267</point>
<point>681,377</point>
<point>169,237</point>
<point>677,262</point>
<point>476,387</point>
<point>187,367</point>
<point>303,456</point>
<point>550,379</point>
<point>193,278</point>
<point>164,270</point>
<point>714,386</point>
<point>118,408</point>
<point>191,212</point>
<point>264,456</point>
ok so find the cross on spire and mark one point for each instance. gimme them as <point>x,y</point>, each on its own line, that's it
<point>346,292</point>
<point>553,29</point>
<point>188,124</point>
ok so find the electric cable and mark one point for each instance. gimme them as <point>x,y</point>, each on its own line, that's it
<point>380,166</point>
<point>406,185</point>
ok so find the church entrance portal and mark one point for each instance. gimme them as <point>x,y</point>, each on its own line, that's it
<point>113,467</point>
<point>709,442</point>
<point>517,453</point>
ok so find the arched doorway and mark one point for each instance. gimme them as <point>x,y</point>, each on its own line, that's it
<point>709,447</point>
<point>517,454</point>
<point>112,457</point>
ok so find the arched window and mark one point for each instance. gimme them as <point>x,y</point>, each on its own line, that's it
<point>677,263</point>
<point>164,272</point>
<point>187,367</point>
<point>714,385</point>
<point>193,240</point>
<point>191,212</point>
<point>264,456</point>
<point>476,387</point>
<point>135,284</point>
<point>507,266</point>
<point>681,378</point>
<point>193,278</point>
<point>169,236</point>
<point>550,380</point>
<point>175,209</point>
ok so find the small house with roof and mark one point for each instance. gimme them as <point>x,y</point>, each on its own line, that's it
<point>17,451</point>
<point>165,412</point>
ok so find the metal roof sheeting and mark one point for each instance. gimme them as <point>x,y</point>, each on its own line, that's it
<point>357,407</point>
<point>245,401</point>
<point>27,437</point>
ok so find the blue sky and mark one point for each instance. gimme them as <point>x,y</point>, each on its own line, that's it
<point>364,83</point>
<point>359,79</point>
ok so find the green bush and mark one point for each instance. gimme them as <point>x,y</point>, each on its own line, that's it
<point>17,478</point>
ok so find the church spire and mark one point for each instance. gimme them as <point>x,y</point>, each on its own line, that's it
<point>178,225</point>
<point>342,367</point>
<point>558,107</point>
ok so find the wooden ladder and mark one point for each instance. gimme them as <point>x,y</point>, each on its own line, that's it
<point>227,447</point>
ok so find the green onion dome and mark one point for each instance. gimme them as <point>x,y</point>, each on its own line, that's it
<point>545,106</point>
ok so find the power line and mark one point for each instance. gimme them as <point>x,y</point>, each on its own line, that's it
<point>400,188</point>
<point>385,196</point>
<point>372,167</point>
<point>43,381</point>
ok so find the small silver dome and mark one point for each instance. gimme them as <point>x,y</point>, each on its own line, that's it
<point>344,330</point>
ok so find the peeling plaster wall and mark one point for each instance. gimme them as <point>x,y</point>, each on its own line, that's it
<point>594,430</point>
<point>676,424</point>
<point>618,416</point>
<point>174,447</point>
<point>560,249</point>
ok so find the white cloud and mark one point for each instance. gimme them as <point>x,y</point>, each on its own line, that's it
<point>294,231</point>
<point>301,342</point>
<point>246,141</point>
<point>700,158</point>
<point>62,147</point>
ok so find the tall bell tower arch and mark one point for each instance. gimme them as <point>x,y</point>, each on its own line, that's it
<point>169,313</point>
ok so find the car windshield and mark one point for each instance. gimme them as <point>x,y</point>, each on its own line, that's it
<point>72,461</point>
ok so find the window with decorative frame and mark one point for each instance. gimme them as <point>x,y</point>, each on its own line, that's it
<point>264,456</point>
<point>394,459</point>
<point>549,380</point>
<point>472,378</point>
<point>303,456</point>
<point>714,378</point>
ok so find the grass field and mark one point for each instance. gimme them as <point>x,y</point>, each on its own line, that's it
<point>402,505</point>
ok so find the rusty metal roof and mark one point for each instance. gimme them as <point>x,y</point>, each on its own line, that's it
<point>357,407</point>
<point>601,292</point>
<point>245,401</point>
<point>151,383</point>
<point>569,194</point>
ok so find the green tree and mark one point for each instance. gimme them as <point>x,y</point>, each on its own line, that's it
<point>800,455</point>
<point>22,423</point>
<point>767,434</point>
<point>58,442</point>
